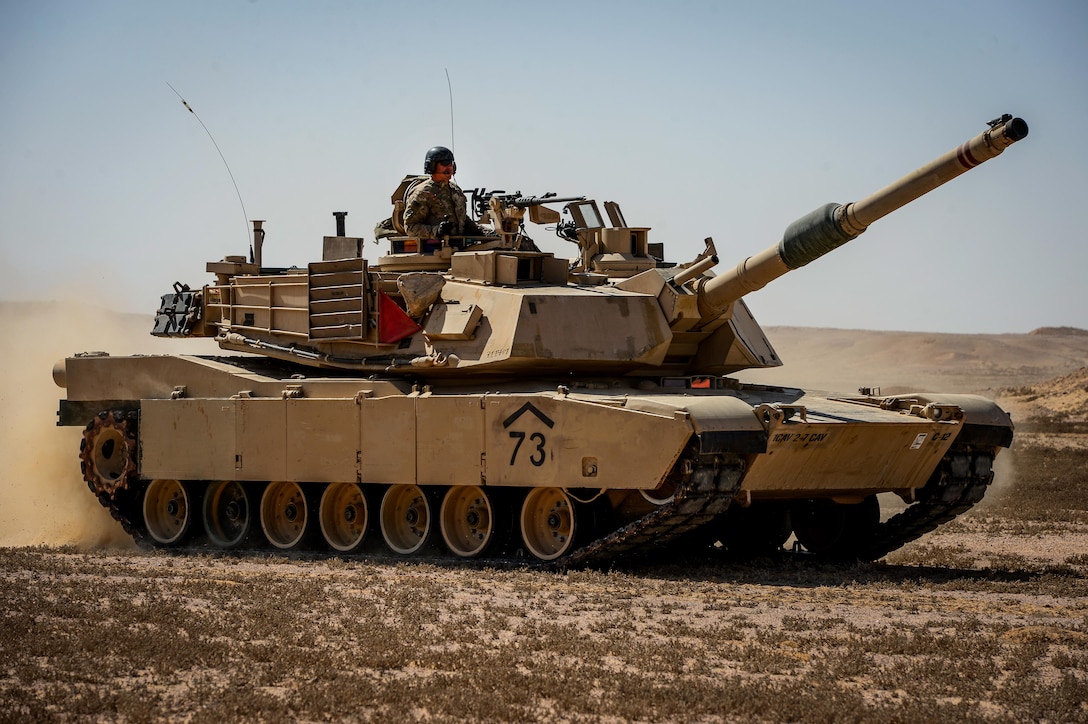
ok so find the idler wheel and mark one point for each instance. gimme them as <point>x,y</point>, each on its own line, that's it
<point>285,514</point>
<point>344,516</point>
<point>467,520</point>
<point>168,512</point>
<point>405,518</point>
<point>661,495</point>
<point>107,452</point>
<point>548,523</point>
<point>227,514</point>
<point>836,530</point>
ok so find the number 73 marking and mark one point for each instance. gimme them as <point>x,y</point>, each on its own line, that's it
<point>538,456</point>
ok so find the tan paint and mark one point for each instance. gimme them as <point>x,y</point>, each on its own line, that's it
<point>807,459</point>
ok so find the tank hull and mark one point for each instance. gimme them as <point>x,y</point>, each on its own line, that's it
<point>190,450</point>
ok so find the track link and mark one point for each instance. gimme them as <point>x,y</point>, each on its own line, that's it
<point>705,491</point>
<point>958,483</point>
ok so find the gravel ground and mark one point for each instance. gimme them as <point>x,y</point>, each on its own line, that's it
<point>959,625</point>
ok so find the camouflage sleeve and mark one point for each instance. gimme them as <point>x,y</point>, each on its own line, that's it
<point>417,210</point>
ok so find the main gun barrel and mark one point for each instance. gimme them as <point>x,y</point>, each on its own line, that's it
<point>832,225</point>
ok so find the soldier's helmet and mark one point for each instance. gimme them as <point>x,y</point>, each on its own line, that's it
<point>436,155</point>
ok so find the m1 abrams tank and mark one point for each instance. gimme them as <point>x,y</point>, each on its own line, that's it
<point>480,398</point>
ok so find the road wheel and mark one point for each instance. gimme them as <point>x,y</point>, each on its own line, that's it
<point>344,516</point>
<point>467,520</point>
<point>229,514</point>
<point>835,530</point>
<point>168,512</point>
<point>761,528</point>
<point>406,519</point>
<point>548,523</point>
<point>285,514</point>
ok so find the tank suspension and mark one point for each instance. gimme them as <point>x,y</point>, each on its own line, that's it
<point>835,530</point>
<point>472,520</point>
<point>552,523</point>
<point>548,523</point>
<point>229,514</point>
<point>107,452</point>
<point>705,488</point>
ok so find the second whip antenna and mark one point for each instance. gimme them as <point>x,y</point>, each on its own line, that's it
<point>245,216</point>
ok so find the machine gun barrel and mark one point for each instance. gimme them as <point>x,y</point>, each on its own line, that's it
<point>832,225</point>
<point>523,202</point>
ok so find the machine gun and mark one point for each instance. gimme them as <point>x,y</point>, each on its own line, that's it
<point>481,200</point>
<point>506,212</point>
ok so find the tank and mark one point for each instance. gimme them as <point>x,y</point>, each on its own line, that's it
<point>477,398</point>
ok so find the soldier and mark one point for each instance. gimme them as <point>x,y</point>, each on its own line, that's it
<point>436,208</point>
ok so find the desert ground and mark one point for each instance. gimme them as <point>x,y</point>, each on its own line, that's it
<point>985,619</point>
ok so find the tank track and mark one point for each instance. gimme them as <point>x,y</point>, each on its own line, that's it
<point>958,483</point>
<point>117,506</point>
<point>705,492</point>
<point>706,489</point>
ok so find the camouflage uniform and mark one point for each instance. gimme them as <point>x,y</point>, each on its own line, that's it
<point>429,202</point>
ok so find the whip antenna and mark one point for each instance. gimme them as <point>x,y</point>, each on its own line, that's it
<point>453,139</point>
<point>245,216</point>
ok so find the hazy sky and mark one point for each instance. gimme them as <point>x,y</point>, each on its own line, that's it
<point>723,119</point>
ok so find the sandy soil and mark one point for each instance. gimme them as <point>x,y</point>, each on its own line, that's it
<point>149,636</point>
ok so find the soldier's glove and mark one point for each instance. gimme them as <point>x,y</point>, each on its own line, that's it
<point>444,229</point>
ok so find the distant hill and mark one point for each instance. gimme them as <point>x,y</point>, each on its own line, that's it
<point>841,360</point>
<point>1061,331</point>
<point>1060,399</point>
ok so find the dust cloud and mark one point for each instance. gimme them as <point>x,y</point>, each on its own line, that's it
<point>1004,478</point>
<point>45,501</point>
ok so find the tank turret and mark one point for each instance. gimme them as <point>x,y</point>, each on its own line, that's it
<point>497,305</point>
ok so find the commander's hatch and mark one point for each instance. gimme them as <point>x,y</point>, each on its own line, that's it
<point>618,250</point>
